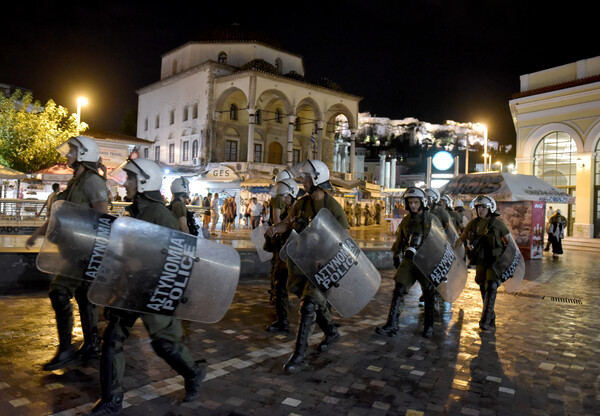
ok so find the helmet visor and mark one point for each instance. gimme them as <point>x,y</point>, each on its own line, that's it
<point>65,148</point>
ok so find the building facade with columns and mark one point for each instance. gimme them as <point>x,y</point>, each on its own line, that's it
<point>557,121</point>
<point>247,105</point>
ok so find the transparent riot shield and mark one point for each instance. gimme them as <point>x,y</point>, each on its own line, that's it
<point>257,236</point>
<point>75,241</point>
<point>510,266</point>
<point>153,269</point>
<point>452,235</point>
<point>438,261</point>
<point>335,264</point>
<point>283,255</point>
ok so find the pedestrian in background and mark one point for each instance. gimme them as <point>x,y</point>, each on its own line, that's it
<point>206,205</point>
<point>357,213</point>
<point>255,213</point>
<point>556,232</point>
<point>50,200</point>
<point>214,214</point>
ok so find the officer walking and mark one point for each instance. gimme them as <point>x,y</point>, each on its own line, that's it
<point>180,188</point>
<point>378,212</point>
<point>86,188</point>
<point>144,179</point>
<point>313,303</point>
<point>447,205</point>
<point>357,213</point>
<point>287,192</point>
<point>412,231</point>
<point>486,236</point>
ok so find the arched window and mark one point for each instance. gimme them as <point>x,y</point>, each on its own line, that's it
<point>172,117</point>
<point>195,149</point>
<point>174,66</point>
<point>555,161</point>
<point>146,124</point>
<point>222,59</point>
<point>278,65</point>
<point>186,109</point>
<point>195,111</point>
<point>233,112</point>
<point>278,115</point>
<point>157,122</point>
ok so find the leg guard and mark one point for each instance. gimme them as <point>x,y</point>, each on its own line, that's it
<point>193,374</point>
<point>488,315</point>
<point>331,334</point>
<point>396,307</point>
<point>88,313</point>
<point>61,303</point>
<point>305,327</point>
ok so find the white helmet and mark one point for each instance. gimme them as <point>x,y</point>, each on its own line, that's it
<point>149,174</point>
<point>287,187</point>
<point>459,204</point>
<point>557,211</point>
<point>486,201</point>
<point>433,196</point>
<point>446,198</point>
<point>284,174</point>
<point>414,192</point>
<point>87,149</point>
<point>180,186</point>
<point>318,171</point>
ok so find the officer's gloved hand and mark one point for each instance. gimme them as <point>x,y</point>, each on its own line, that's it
<point>410,253</point>
<point>396,261</point>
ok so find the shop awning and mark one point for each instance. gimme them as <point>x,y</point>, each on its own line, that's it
<point>8,173</point>
<point>505,187</point>
<point>249,183</point>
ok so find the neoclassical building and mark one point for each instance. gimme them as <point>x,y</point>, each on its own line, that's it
<point>557,120</point>
<point>245,104</point>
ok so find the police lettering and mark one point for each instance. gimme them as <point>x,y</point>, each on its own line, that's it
<point>338,266</point>
<point>441,271</point>
<point>100,243</point>
<point>174,277</point>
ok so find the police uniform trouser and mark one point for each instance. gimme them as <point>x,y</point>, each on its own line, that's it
<point>302,287</point>
<point>62,289</point>
<point>406,275</point>
<point>166,333</point>
<point>279,278</point>
<point>485,273</point>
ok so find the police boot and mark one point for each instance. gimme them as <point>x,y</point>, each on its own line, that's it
<point>111,401</point>
<point>307,320</point>
<point>331,334</point>
<point>429,315</point>
<point>108,407</point>
<point>397,306</point>
<point>90,349</point>
<point>279,326</point>
<point>281,310</point>
<point>192,375</point>
<point>61,303</point>
<point>488,321</point>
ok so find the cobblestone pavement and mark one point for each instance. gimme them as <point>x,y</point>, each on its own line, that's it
<point>543,359</point>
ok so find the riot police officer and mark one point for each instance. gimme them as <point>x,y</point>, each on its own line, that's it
<point>413,229</point>
<point>180,188</point>
<point>357,213</point>
<point>486,236</point>
<point>313,303</point>
<point>448,205</point>
<point>144,179</point>
<point>433,201</point>
<point>287,192</point>
<point>86,188</point>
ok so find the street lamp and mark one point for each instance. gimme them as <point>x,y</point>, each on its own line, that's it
<point>81,101</point>
<point>500,164</point>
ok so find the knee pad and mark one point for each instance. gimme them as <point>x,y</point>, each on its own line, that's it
<point>307,307</point>
<point>60,298</point>
<point>163,348</point>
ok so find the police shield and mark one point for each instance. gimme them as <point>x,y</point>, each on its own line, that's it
<point>438,261</point>
<point>510,266</point>
<point>75,241</point>
<point>257,236</point>
<point>334,263</point>
<point>153,269</point>
<point>452,236</point>
<point>283,255</point>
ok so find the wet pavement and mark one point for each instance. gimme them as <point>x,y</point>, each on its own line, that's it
<point>543,358</point>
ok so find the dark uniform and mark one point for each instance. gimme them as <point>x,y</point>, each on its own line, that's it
<point>357,213</point>
<point>165,331</point>
<point>413,229</point>
<point>279,271</point>
<point>312,300</point>
<point>377,213</point>
<point>178,208</point>
<point>485,245</point>
<point>85,189</point>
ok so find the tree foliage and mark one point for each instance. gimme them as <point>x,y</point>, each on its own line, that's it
<point>30,132</point>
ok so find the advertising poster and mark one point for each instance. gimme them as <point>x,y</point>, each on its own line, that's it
<point>525,220</point>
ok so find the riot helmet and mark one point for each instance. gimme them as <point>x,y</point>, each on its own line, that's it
<point>284,174</point>
<point>85,148</point>
<point>414,192</point>
<point>459,205</point>
<point>433,196</point>
<point>318,171</point>
<point>180,186</point>
<point>486,201</point>
<point>287,187</point>
<point>148,174</point>
<point>446,198</point>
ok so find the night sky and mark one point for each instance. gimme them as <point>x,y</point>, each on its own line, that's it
<point>422,59</point>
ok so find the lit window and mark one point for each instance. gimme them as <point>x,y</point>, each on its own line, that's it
<point>172,153</point>
<point>295,156</point>
<point>555,160</point>
<point>185,151</point>
<point>258,153</point>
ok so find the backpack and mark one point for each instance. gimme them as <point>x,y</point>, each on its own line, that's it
<point>191,220</point>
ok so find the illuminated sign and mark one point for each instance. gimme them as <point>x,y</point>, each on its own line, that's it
<point>442,160</point>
